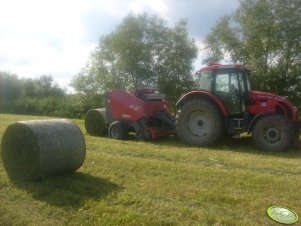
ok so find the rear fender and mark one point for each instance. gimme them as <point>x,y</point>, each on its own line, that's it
<point>203,94</point>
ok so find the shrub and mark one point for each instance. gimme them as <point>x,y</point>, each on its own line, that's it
<point>69,106</point>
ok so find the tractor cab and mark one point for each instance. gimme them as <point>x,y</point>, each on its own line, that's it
<point>229,83</point>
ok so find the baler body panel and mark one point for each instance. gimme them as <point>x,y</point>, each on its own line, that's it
<point>126,106</point>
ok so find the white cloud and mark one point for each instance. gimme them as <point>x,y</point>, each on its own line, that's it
<point>42,37</point>
<point>56,36</point>
<point>155,6</point>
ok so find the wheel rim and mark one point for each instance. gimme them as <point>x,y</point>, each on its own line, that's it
<point>272,135</point>
<point>199,123</point>
<point>115,132</point>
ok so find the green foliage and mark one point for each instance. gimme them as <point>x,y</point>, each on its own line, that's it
<point>141,52</point>
<point>16,93</point>
<point>36,106</point>
<point>266,36</point>
<point>43,86</point>
<point>162,182</point>
<point>9,91</point>
<point>70,106</point>
<point>42,96</point>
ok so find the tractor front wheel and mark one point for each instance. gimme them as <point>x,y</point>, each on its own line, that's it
<point>199,122</point>
<point>296,143</point>
<point>118,130</point>
<point>273,133</point>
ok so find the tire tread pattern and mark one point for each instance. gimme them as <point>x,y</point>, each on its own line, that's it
<point>288,132</point>
<point>183,132</point>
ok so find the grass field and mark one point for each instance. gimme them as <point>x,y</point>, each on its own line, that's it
<point>161,182</point>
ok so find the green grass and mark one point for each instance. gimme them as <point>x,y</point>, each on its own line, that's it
<point>161,182</point>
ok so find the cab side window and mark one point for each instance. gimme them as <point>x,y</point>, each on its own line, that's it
<point>222,83</point>
<point>227,83</point>
<point>203,80</point>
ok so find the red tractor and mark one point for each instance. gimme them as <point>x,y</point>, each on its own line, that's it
<point>224,103</point>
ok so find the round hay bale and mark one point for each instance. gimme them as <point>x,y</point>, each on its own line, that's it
<point>95,122</point>
<point>32,150</point>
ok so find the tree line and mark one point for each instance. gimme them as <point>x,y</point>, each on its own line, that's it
<point>143,51</point>
<point>42,96</point>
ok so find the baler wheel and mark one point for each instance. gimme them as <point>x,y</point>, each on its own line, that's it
<point>118,130</point>
<point>273,133</point>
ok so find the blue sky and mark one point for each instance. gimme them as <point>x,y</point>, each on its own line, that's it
<point>56,36</point>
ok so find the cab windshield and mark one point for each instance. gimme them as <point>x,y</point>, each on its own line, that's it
<point>203,80</point>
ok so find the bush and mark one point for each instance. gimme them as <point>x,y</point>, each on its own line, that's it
<point>69,106</point>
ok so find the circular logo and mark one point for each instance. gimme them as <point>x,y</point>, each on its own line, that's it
<point>282,215</point>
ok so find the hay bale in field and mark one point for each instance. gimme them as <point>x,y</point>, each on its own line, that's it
<point>95,122</point>
<point>36,149</point>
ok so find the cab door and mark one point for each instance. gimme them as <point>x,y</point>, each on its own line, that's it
<point>227,89</point>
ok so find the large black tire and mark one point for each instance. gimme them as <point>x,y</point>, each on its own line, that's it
<point>273,133</point>
<point>118,130</point>
<point>199,122</point>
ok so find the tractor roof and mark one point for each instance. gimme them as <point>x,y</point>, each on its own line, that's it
<point>221,66</point>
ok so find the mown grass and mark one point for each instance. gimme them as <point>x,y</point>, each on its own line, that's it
<point>161,182</point>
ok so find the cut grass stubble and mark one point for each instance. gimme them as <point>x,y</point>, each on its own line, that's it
<point>161,182</point>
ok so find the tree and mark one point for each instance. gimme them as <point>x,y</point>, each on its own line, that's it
<point>141,52</point>
<point>266,36</point>
<point>44,86</point>
<point>26,95</point>
<point>9,91</point>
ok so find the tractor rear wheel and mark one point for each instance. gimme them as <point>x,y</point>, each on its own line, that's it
<point>199,122</point>
<point>118,130</point>
<point>273,133</point>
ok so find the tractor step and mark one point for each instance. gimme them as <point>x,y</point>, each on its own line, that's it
<point>235,125</point>
<point>238,123</point>
<point>237,136</point>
